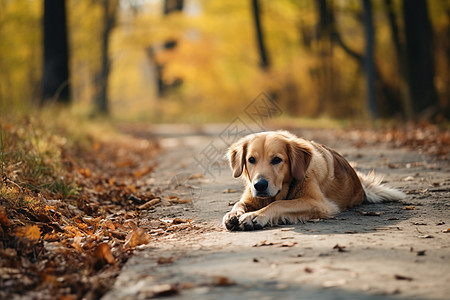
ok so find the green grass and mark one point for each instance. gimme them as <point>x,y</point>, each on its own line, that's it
<point>31,147</point>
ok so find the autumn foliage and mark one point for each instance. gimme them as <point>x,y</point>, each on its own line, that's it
<point>70,216</point>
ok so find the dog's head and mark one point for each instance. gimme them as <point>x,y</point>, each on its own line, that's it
<point>268,160</point>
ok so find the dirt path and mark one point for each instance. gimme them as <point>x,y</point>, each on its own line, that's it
<point>402,253</point>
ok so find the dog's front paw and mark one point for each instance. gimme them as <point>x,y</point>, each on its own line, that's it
<point>252,221</point>
<point>231,220</point>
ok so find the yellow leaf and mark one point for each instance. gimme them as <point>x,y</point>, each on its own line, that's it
<point>111,181</point>
<point>4,218</point>
<point>31,232</point>
<point>136,238</point>
<point>103,253</point>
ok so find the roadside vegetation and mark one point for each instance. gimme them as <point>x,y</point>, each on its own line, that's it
<point>70,194</point>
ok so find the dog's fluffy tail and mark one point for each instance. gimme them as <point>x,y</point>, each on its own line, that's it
<point>376,192</point>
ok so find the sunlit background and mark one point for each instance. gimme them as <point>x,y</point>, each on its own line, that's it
<point>203,61</point>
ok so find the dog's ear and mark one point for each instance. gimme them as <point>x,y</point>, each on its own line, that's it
<point>236,155</point>
<point>299,159</point>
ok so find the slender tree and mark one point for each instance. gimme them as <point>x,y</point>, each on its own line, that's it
<point>400,55</point>
<point>379,88</point>
<point>325,65</point>
<point>109,20</point>
<point>265,63</point>
<point>419,56</point>
<point>55,81</point>
<point>171,6</point>
<point>369,64</point>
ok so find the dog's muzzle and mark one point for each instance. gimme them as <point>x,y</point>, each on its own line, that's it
<point>261,189</point>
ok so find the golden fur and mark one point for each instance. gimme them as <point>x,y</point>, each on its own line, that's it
<point>289,179</point>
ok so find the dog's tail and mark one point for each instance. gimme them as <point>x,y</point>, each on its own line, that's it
<point>376,191</point>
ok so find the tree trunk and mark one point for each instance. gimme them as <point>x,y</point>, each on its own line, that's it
<point>55,81</point>
<point>369,64</point>
<point>173,5</point>
<point>325,64</point>
<point>264,63</point>
<point>109,17</point>
<point>380,87</point>
<point>400,55</point>
<point>419,56</point>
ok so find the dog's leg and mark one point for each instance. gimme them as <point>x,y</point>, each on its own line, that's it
<point>231,219</point>
<point>288,211</point>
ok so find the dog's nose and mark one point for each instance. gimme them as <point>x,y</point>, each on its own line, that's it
<point>261,185</point>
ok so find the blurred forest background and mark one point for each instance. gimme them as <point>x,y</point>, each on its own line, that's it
<point>199,60</point>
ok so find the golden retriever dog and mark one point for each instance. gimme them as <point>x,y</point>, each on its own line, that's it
<point>290,180</point>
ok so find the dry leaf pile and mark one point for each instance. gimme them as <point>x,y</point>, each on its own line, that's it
<point>71,241</point>
<point>425,137</point>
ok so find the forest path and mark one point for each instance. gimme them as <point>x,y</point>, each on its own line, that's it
<point>402,253</point>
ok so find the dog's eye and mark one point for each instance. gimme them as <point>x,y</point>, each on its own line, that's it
<point>276,160</point>
<point>252,160</point>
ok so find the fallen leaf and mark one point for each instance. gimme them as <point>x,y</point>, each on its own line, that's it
<point>135,199</point>
<point>85,172</point>
<point>4,221</point>
<point>426,236</point>
<point>340,248</point>
<point>92,221</point>
<point>111,181</point>
<point>446,230</point>
<point>308,270</point>
<point>118,234</point>
<point>180,201</point>
<point>96,146</point>
<point>196,176</point>
<point>401,277</point>
<point>179,227</point>
<point>288,244</point>
<point>409,178</point>
<point>421,253</point>
<point>409,208</point>
<point>102,254</point>
<point>149,204</point>
<point>136,238</point>
<point>165,260</point>
<point>108,224</point>
<point>31,232</point>
<point>223,281</point>
<point>124,163</point>
<point>263,244</point>
<point>132,188</point>
<point>177,221</point>
<point>140,173</point>
<point>229,191</point>
<point>131,224</point>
